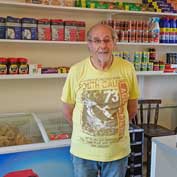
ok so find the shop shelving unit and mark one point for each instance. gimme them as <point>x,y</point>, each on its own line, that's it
<point>135,159</point>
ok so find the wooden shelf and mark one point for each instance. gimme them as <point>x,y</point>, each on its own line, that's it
<point>28,76</point>
<point>78,42</point>
<point>79,10</point>
<point>154,73</point>
<point>43,42</point>
<point>57,76</point>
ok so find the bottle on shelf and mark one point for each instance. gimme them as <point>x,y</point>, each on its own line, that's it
<point>164,30</point>
<point>172,31</point>
<point>154,28</point>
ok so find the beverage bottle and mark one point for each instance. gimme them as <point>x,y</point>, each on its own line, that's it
<point>167,29</point>
<point>172,32</point>
<point>155,29</point>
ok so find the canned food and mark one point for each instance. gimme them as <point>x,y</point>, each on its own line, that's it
<point>143,66</point>
<point>137,66</point>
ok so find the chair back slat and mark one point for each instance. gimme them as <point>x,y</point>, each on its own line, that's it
<point>149,113</point>
<point>141,113</point>
<point>148,106</point>
<point>156,115</point>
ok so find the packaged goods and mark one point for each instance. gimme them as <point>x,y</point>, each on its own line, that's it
<point>137,57</point>
<point>57,29</point>
<point>152,54</point>
<point>69,3</point>
<point>63,69</point>
<point>143,66</point>
<point>34,1</point>
<point>46,2</point>
<point>12,66</point>
<point>137,66</point>
<point>2,28</point>
<point>3,66</point>
<point>80,31</point>
<point>56,2</point>
<point>172,30</point>
<point>35,69</point>
<point>145,57</point>
<point>70,31</point>
<point>155,28</point>
<point>23,66</point>
<point>29,28</point>
<point>156,66</point>
<point>171,58</point>
<point>44,31</point>
<point>164,30</point>
<point>49,70</point>
<point>13,28</point>
<point>150,66</point>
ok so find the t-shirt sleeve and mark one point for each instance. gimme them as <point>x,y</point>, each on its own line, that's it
<point>134,92</point>
<point>68,92</point>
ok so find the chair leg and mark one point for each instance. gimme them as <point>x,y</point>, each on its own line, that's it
<point>148,157</point>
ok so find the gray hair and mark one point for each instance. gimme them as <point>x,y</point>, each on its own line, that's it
<point>113,33</point>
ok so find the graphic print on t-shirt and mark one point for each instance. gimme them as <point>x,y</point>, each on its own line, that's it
<point>103,101</point>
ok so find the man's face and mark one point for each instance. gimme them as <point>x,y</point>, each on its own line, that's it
<point>101,44</point>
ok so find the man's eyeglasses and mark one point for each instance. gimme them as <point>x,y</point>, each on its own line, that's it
<point>98,41</point>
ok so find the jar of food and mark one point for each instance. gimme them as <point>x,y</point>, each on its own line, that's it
<point>3,66</point>
<point>12,66</point>
<point>152,54</point>
<point>23,66</point>
<point>156,66</point>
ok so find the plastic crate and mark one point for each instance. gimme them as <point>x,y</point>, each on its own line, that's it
<point>135,160</point>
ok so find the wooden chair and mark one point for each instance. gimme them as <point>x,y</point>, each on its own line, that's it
<point>149,123</point>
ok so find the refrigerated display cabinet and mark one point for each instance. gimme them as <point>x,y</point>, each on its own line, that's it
<point>28,149</point>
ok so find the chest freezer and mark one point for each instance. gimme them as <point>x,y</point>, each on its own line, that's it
<point>35,153</point>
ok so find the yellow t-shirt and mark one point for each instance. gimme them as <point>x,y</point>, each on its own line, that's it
<point>100,116</point>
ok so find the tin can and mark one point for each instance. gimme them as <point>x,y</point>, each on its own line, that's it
<point>80,31</point>
<point>145,57</point>
<point>44,31</point>
<point>70,31</point>
<point>29,28</point>
<point>150,66</point>
<point>137,66</point>
<point>137,57</point>
<point>13,28</point>
<point>57,29</point>
<point>143,66</point>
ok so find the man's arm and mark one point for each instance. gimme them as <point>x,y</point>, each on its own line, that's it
<point>68,112</point>
<point>132,108</point>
